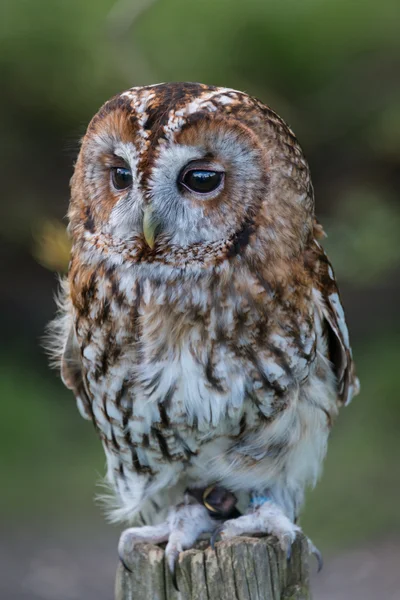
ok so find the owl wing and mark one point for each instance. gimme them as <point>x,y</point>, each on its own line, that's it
<point>330,309</point>
<point>72,374</point>
<point>64,352</point>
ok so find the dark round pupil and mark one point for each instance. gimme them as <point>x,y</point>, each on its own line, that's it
<point>202,181</point>
<point>121,177</point>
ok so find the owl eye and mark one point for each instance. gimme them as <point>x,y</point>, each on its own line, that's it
<point>201,181</point>
<point>121,177</point>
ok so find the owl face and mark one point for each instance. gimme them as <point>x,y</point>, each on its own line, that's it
<point>174,166</point>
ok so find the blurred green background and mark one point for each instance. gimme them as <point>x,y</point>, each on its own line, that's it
<point>331,69</point>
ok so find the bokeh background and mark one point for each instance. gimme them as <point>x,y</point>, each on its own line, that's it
<point>331,69</point>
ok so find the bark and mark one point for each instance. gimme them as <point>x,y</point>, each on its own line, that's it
<point>238,569</point>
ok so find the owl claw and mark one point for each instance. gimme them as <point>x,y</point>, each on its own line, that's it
<point>315,552</point>
<point>124,564</point>
<point>215,535</point>
<point>320,560</point>
<point>175,581</point>
<point>171,555</point>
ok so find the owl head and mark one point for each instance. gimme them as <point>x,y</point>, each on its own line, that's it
<point>185,173</point>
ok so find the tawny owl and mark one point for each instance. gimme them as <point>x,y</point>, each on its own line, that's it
<point>201,328</point>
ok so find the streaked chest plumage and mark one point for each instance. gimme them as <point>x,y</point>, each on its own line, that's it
<point>171,367</point>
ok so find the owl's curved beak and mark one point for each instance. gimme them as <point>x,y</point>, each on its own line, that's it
<point>150,226</point>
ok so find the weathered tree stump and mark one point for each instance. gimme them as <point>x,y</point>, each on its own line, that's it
<point>239,569</point>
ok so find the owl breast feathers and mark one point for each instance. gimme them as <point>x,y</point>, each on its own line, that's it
<point>201,328</point>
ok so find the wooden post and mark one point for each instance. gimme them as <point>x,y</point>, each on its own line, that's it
<point>239,569</point>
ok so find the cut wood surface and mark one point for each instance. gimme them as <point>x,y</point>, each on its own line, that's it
<point>239,569</point>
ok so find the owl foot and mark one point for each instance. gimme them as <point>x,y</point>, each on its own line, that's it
<point>184,525</point>
<point>267,518</point>
<point>153,534</point>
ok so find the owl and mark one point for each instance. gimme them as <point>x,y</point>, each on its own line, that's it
<point>200,326</point>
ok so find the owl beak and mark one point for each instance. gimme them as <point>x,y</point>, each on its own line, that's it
<point>150,225</point>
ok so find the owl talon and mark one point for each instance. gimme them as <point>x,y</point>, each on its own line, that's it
<point>315,552</point>
<point>215,535</point>
<point>175,581</point>
<point>124,563</point>
<point>171,555</point>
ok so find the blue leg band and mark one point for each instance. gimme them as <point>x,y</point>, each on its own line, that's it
<point>259,499</point>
